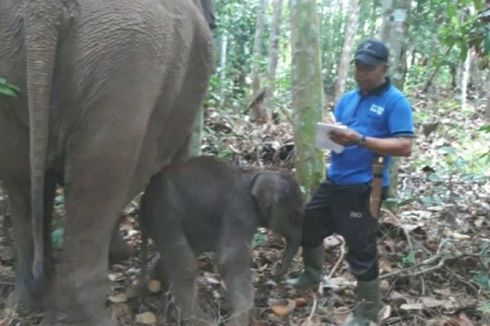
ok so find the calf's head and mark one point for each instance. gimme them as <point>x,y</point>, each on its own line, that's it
<point>280,204</point>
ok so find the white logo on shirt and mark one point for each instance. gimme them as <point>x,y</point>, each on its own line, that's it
<point>354,214</point>
<point>377,109</point>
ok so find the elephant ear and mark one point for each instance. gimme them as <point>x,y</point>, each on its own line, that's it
<point>265,188</point>
<point>207,10</point>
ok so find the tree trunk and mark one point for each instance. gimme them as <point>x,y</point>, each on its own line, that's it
<point>345,58</point>
<point>394,33</point>
<point>259,114</point>
<point>487,109</point>
<point>307,92</point>
<point>465,77</point>
<point>222,66</point>
<point>196,133</point>
<point>273,53</point>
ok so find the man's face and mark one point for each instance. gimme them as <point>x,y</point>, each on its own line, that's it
<point>369,77</point>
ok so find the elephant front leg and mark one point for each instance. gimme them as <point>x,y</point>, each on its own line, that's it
<point>234,267</point>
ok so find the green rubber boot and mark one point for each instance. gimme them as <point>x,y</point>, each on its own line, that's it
<point>368,304</point>
<point>313,259</point>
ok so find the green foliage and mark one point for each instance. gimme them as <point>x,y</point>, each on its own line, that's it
<point>408,259</point>
<point>459,157</point>
<point>465,30</point>
<point>8,89</point>
<point>236,22</point>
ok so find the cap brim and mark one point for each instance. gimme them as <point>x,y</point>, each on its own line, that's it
<point>368,60</point>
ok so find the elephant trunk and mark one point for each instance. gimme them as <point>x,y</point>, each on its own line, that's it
<point>41,36</point>
<point>292,247</point>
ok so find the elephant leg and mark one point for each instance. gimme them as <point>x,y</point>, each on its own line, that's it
<point>27,296</point>
<point>181,270</point>
<point>234,267</point>
<point>102,168</point>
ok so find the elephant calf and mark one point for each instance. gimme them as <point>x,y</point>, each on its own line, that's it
<point>208,205</point>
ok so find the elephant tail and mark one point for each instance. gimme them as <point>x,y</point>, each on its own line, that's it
<point>42,22</point>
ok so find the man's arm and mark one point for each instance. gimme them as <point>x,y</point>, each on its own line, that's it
<point>396,146</point>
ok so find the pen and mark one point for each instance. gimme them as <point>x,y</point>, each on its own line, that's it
<point>332,116</point>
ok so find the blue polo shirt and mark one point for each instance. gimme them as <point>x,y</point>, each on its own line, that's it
<point>384,113</point>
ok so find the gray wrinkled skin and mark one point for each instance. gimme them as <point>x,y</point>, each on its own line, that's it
<point>109,90</point>
<point>208,205</point>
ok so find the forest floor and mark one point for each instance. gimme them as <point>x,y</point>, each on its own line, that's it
<point>434,252</point>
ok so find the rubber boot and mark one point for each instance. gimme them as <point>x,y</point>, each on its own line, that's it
<point>313,259</point>
<point>368,304</point>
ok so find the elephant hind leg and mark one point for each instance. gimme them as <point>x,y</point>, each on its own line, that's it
<point>102,166</point>
<point>181,269</point>
<point>28,297</point>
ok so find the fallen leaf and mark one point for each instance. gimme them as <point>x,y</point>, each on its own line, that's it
<point>119,310</point>
<point>462,320</point>
<point>315,321</point>
<point>445,291</point>
<point>341,314</point>
<point>146,318</point>
<point>385,312</point>
<point>283,310</point>
<point>154,286</point>
<point>331,241</point>
<point>385,266</point>
<point>384,285</point>
<point>118,298</point>
<point>301,302</point>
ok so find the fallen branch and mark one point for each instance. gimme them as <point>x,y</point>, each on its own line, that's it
<point>341,258</point>
<point>400,225</point>
<point>313,309</point>
<point>410,271</point>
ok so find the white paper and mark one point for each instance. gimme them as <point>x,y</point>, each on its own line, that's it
<point>322,136</point>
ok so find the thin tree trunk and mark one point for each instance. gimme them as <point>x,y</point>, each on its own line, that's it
<point>345,58</point>
<point>307,92</point>
<point>394,33</point>
<point>487,109</point>
<point>274,48</point>
<point>222,66</point>
<point>465,77</point>
<point>196,133</point>
<point>259,113</point>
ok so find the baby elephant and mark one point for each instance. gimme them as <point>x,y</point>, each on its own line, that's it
<point>208,205</point>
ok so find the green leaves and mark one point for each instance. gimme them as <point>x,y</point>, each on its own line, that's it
<point>8,89</point>
<point>408,260</point>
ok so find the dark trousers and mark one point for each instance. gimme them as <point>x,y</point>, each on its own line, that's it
<point>344,210</point>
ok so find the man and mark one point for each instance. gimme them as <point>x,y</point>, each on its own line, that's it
<point>378,118</point>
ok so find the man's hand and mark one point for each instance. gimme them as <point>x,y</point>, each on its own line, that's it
<point>345,138</point>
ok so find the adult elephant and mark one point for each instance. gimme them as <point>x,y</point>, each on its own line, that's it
<point>109,90</point>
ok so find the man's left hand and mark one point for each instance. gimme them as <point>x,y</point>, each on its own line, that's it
<point>345,138</point>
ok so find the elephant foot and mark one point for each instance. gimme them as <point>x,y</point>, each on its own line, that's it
<point>21,302</point>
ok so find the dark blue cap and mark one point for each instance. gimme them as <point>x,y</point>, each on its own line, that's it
<point>372,52</point>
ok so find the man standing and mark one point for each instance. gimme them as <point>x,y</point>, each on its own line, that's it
<point>379,122</point>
